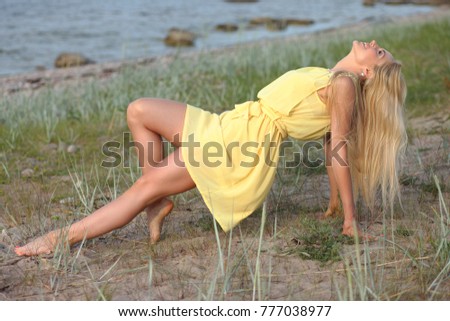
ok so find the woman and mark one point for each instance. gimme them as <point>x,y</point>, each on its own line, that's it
<point>232,157</point>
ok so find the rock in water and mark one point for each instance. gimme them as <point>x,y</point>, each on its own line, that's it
<point>299,22</point>
<point>260,21</point>
<point>179,37</point>
<point>369,3</point>
<point>276,25</point>
<point>71,59</point>
<point>227,27</point>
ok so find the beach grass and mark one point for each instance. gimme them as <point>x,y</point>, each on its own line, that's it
<point>280,252</point>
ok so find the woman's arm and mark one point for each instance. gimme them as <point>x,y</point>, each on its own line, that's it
<point>334,206</point>
<point>341,116</point>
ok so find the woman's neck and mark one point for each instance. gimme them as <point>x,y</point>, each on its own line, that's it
<point>346,64</point>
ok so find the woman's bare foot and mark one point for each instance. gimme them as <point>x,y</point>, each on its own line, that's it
<point>334,211</point>
<point>42,245</point>
<point>349,230</point>
<point>155,217</point>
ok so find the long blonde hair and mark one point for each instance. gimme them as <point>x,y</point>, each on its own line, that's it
<point>377,141</point>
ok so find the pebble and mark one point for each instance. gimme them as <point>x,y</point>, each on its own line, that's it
<point>28,172</point>
<point>72,149</point>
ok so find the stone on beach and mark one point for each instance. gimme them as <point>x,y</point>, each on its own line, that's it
<point>28,172</point>
<point>72,149</point>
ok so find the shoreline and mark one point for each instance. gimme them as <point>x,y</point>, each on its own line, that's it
<point>55,78</point>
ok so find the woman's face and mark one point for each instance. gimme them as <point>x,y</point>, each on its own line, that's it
<point>370,54</point>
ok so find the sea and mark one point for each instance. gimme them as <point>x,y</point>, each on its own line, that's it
<point>34,32</point>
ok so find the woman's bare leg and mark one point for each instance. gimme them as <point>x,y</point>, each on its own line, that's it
<point>157,183</point>
<point>149,120</point>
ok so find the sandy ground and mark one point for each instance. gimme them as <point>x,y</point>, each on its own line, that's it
<point>185,263</point>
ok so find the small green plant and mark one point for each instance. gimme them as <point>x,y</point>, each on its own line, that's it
<point>318,240</point>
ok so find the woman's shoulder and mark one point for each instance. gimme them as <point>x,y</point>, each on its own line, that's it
<point>313,70</point>
<point>344,81</point>
<point>343,88</point>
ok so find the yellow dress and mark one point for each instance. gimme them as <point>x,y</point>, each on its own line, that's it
<point>232,157</point>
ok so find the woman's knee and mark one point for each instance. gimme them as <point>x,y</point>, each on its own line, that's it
<point>136,109</point>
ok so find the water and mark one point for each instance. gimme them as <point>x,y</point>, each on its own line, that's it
<point>34,32</point>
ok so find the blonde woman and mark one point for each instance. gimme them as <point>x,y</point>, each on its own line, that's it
<point>231,158</point>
